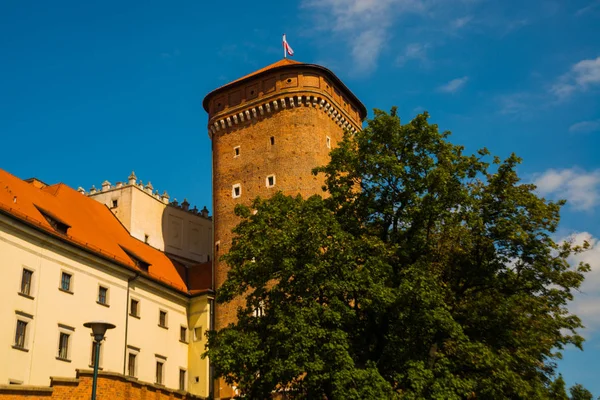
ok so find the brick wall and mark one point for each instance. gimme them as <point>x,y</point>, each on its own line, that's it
<point>111,386</point>
<point>306,116</point>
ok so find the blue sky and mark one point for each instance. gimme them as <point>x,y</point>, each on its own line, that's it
<point>92,90</point>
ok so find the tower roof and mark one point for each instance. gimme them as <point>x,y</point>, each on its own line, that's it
<point>287,63</point>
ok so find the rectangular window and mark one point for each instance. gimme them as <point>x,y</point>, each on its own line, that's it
<point>26,279</point>
<point>159,372</point>
<point>183,334</point>
<point>272,140</point>
<point>328,142</point>
<point>131,364</point>
<point>102,295</point>
<point>115,203</point>
<point>20,334</point>
<point>236,151</point>
<point>270,181</point>
<point>182,379</point>
<point>236,190</point>
<point>63,346</point>
<point>134,308</point>
<point>162,318</point>
<point>65,282</point>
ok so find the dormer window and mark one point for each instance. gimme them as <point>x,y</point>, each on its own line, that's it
<point>58,225</point>
<point>138,261</point>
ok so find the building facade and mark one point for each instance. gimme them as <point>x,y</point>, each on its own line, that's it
<point>67,260</point>
<point>269,130</point>
<point>182,232</point>
<point>128,255</point>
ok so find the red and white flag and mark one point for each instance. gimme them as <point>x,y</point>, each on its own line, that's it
<point>287,49</point>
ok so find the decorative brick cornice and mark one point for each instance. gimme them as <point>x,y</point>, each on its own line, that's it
<point>225,122</point>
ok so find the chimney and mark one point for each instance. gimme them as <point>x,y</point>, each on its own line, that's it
<point>105,186</point>
<point>204,212</point>
<point>93,190</point>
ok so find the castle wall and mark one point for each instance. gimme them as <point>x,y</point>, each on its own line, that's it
<point>150,217</point>
<point>272,128</point>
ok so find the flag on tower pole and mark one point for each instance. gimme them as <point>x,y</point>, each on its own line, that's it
<point>287,49</point>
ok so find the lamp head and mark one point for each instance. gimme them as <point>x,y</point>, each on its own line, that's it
<point>99,328</point>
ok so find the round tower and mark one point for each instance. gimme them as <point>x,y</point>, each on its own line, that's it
<point>269,130</point>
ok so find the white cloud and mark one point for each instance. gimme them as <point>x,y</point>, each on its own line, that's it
<point>586,304</point>
<point>454,85</point>
<point>414,51</point>
<point>461,22</point>
<point>581,77</point>
<point>585,127</point>
<point>580,188</point>
<point>587,9</point>
<point>364,24</point>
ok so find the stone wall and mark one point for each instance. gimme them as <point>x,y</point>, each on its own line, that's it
<point>111,386</point>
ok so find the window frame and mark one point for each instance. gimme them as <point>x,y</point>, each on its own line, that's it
<point>237,151</point>
<point>161,362</point>
<point>131,352</point>
<point>61,282</point>
<point>64,354</point>
<point>328,142</point>
<point>106,296</point>
<point>161,323</point>
<point>137,308</point>
<point>182,384</point>
<point>93,352</point>
<point>236,186</point>
<point>183,334</point>
<point>30,284</point>
<point>23,343</point>
<point>267,181</point>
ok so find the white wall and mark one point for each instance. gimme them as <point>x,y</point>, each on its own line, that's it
<point>23,247</point>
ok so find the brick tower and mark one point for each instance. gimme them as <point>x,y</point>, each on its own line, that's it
<point>269,130</point>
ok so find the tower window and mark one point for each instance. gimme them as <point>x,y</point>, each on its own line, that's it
<point>272,140</point>
<point>236,191</point>
<point>328,142</point>
<point>115,203</point>
<point>236,151</point>
<point>270,181</point>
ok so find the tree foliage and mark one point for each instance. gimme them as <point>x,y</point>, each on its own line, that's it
<point>426,274</point>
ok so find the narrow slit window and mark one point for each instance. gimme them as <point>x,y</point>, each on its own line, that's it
<point>272,140</point>
<point>236,151</point>
<point>183,334</point>
<point>270,181</point>
<point>236,191</point>
<point>328,142</point>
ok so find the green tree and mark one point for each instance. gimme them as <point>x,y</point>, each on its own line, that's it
<point>426,274</point>
<point>558,390</point>
<point>578,392</point>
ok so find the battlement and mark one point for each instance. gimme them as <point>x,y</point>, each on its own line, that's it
<point>132,181</point>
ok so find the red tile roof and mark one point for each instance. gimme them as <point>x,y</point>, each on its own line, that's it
<point>92,226</point>
<point>286,62</point>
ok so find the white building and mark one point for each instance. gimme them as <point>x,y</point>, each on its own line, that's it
<point>67,260</point>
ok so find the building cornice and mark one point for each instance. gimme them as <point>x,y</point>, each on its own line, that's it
<point>266,106</point>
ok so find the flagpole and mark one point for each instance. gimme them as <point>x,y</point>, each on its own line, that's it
<point>283,45</point>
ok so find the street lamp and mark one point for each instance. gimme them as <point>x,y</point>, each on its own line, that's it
<point>99,328</point>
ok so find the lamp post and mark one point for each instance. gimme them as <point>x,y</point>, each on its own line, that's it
<point>99,328</point>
